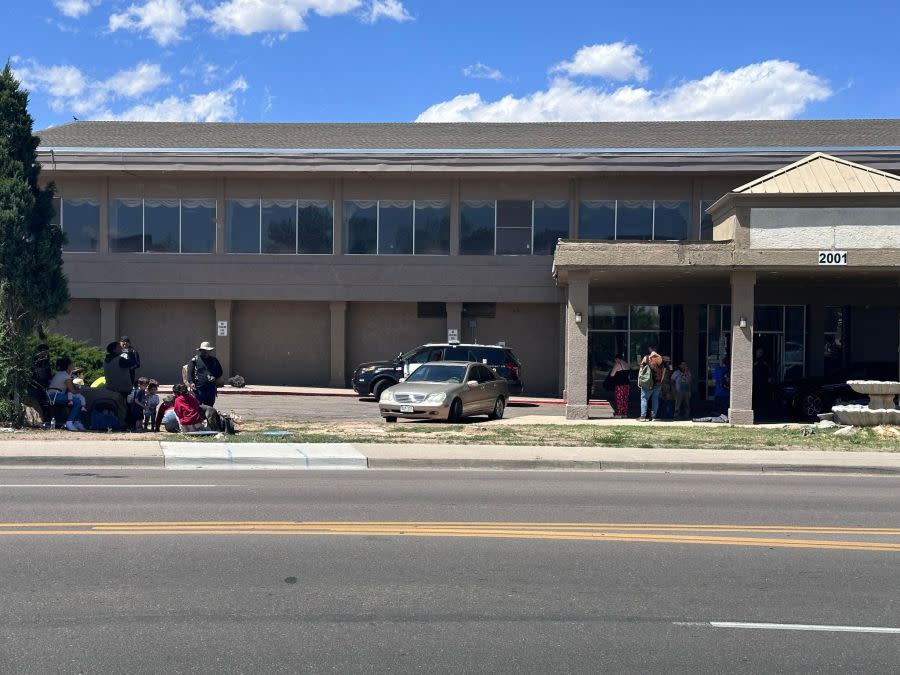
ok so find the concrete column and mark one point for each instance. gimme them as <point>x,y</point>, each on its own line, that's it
<point>223,342</point>
<point>109,321</point>
<point>338,230</point>
<point>692,338</point>
<point>220,217</point>
<point>338,344</point>
<point>103,230</point>
<point>577,346</point>
<point>454,219</point>
<point>561,366</point>
<point>815,340</point>
<point>742,302</point>
<point>454,318</point>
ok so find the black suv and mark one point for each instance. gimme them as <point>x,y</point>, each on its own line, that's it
<point>372,378</point>
<point>810,396</point>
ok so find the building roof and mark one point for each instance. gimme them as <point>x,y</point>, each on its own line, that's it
<point>822,174</point>
<point>561,136</point>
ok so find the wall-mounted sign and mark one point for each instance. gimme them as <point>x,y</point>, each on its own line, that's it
<point>452,335</point>
<point>832,257</point>
<point>222,327</point>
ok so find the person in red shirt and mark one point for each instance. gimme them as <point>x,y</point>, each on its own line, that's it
<point>187,409</point>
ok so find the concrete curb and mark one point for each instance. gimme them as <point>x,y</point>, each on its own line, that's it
<point>63,461</point>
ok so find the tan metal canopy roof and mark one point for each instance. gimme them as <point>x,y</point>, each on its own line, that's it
<point>822,174</point>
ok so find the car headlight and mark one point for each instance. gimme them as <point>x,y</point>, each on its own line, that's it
<point>367,369</point>
<point>436,397</point>
<point>387,396</point>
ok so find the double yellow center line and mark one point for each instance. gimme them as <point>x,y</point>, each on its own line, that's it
<point>773,536</point>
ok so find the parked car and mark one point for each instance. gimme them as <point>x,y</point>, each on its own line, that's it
<point>446,390</point>
<point>374,377</point>
<point>810,396</point>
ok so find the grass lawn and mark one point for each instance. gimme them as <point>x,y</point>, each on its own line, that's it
<point>885,439</point>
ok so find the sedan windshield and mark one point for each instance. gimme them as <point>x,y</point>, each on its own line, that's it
<point>435,373</point>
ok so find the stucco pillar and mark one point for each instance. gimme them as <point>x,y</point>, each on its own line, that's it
<point>338,344</point>
<point>691,351</point>
<point>223,342</point>
<point>454,220</point>
<point>742,302</point>
<point>815,341</point>
<point>454,318</point>
<point>109,321</point>
<point>577,346</point>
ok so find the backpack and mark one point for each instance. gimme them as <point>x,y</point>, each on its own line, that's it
<point>645,377</point>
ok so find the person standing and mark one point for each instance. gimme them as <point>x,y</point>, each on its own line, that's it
<point>650,384</point>
<point>203,375</point>
<point>118,377</point>
<point>722,392</point>
<point>132,355</point>
<point>684,382</point>
<point>621,386</point>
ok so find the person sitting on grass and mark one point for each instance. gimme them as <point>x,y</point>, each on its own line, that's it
<point>187,409</point>
<point>62,390</point>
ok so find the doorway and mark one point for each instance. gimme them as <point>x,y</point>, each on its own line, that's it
<point>768,359</point>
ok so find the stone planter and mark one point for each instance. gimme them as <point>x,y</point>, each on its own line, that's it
<point>864,416</point>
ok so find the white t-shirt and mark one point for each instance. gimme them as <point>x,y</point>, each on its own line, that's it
<point>58,381</point>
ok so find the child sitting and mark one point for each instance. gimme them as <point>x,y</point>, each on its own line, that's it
<point>150,403</point>
<point>187,409</point>
<point>137,402</point>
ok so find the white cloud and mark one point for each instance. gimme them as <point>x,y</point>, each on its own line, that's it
<point>767,90</point>
<point>614,61</point>
<point>480,71</point>
<point>247,17</point>
<point>163,20</point>
<point>386,9</point>
<point>75,9</point>
<point>215,106</point>
<point>145,77</point>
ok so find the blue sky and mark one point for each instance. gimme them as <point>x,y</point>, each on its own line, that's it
<point>452,60</point>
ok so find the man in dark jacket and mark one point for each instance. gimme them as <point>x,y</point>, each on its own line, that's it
<point>117,374</point>
<point>131,354</point>
<point>203,371</point>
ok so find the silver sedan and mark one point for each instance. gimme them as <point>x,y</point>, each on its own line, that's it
<point>446,390</point>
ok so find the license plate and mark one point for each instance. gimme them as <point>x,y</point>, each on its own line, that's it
<point>406,408</point>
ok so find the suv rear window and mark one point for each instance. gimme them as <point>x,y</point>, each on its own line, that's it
<point>493,355</point>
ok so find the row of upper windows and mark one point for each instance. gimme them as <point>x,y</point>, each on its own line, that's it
<point>375,227</point>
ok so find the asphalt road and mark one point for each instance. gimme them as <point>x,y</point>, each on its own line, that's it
<point>341,408</point>
<point>510,595</point>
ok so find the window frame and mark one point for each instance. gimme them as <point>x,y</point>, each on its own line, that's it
<point>62,200</point>
<point>652,220</point>
<point>412,206</point>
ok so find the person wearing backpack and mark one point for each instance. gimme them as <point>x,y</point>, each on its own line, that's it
<point>203,373</point>
<point>650,377</point>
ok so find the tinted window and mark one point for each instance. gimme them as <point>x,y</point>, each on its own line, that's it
<point>597,219</point>
<point>438,373</point>
<point>395,227</point>
<point>432,227</point>
<point>671,220</point>
<point>476,228</point>
<point>634,219</point>
<point>485,375</point>
<point>126,225</point>
<point>198,225</point>
<point>551,223</point>
<point>493,356</point>
<point>81,223</point>
<point>315,227</point>
<point>242,226</point>
<point>420,356</point>
<point>513,227</point>
<point>361,227</point>
<point>706,221</point>
<point>279,226</point>
<point>161,225</point>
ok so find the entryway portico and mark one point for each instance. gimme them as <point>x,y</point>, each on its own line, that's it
<point>814,240</point>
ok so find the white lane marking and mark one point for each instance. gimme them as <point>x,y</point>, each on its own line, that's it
<point>138,485</point>
<point>791,626</point>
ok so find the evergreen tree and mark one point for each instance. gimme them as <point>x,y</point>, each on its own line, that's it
<point>33,288</point>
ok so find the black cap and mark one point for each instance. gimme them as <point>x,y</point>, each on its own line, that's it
<point>124,338</point>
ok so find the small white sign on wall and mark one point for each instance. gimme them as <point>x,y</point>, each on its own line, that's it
<point>452,335</point>
<point>832,257</point>
<point>222,327</point>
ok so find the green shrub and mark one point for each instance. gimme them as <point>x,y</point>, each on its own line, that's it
<point>12,414</point>
<point>81,353</point>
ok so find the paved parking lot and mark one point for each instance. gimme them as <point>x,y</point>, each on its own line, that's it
<point>335,408</point>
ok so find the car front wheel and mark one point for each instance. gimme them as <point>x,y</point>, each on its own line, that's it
<point>390,420</point>
<point>455,414</point>
<point>499,409</point>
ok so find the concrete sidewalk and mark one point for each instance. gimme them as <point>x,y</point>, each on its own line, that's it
<point>160,454</point>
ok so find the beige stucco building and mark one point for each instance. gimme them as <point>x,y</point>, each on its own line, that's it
<point>304,249</point>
